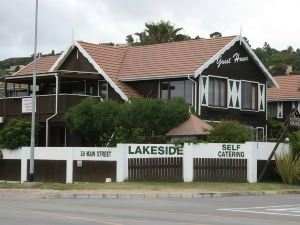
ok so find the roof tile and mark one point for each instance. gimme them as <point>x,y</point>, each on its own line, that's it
<point>289,88</point>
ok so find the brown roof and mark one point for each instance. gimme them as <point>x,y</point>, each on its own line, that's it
<point>174,58</point>
<point>193,126</point>
<point>43,65</point>
<point>168,59</point>
<point>110,60</point>
<point>289,88</point>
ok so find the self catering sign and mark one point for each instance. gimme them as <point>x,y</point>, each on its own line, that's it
<point>221,150</point>
<point>231,151</point>
<point>151,150</point>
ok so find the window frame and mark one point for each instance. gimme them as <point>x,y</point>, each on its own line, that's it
<point>226,92</point>
<point>257,96</point>
<point>169,97</point>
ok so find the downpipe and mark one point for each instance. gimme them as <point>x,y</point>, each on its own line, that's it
<point>56,106</point>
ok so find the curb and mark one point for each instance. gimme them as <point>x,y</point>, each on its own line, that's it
<point>165,195</point>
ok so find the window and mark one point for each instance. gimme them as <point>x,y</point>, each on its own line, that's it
<point>176,88</point>
<point>272,109</point>
<point>258,134</point>
<point>249,95</point>
<point>217,92</point>
<point>103,90</point>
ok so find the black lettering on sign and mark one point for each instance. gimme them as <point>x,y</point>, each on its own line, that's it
<point>231,151</point>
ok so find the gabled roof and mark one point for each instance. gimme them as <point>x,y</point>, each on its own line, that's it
<point>110,60</point>
<point>270,79</point>
<point>289,88</point>
<point>43,65</point>
<point>192,127</point>
<point>169,59</point>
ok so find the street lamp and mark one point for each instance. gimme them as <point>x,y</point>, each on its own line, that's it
<point>32,141</point>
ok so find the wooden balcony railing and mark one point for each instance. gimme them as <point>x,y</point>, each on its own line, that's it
<point>45,104</point>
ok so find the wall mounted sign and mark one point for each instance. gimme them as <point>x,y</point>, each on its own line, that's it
<point>27,105</point>
<point>95,153</point>
<point>154,150</point>
<point>236,58</point>
<point>295,121</point>
<point>231,151</point>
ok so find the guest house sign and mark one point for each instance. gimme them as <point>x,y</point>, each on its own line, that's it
<point>236,58</point>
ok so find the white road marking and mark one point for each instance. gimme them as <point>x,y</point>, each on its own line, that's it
<point>281,210</point>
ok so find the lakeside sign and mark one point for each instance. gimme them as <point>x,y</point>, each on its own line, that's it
<point>148,151</point>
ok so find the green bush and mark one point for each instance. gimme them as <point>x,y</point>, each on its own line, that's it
<point>135,121</point>
<point>229,132</point>
<point>288,167</point>
<point>295,142</point>
<point>15,134</point>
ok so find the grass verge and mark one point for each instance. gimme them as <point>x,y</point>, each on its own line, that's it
<point>203,186</point>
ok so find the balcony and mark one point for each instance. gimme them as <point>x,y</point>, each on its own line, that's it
<point>12,107</point>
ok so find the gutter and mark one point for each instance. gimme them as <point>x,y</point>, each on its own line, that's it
<point>56,106</point>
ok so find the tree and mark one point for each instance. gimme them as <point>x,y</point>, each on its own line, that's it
<point>15,134</point>
<point>229,132</point>
<point>156,33</point>
<point>129,39</point>
<point>215,34</point>
<point>278,69</point>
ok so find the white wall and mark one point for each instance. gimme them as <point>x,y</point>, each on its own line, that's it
<point>252,151</point>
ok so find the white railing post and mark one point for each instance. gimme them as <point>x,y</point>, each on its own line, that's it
<point>69,167</point>
<point>251,148</point>
<point>188,156</point>
<point>122,163</point>
<point>23,165</point>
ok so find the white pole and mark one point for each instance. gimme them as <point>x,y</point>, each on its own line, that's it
<point>31,171</point>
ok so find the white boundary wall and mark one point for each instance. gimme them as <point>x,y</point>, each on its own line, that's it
<point>252,151</point>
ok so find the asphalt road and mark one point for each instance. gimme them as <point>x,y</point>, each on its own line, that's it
<point>273,210</point>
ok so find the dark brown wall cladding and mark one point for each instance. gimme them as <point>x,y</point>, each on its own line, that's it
<point>113,95</point>
<point>147,88</point>
<point>287,108</point>
<point>242,70</point>
<point>94,171</point>
<point>10,169</point>
<point>246,70</point>
<point>75,63</point>
<point>255,119</point>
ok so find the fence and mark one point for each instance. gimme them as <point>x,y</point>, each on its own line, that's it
<point>141,162</point>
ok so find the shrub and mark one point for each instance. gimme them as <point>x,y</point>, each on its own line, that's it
<point>288,167</point>
<point>295,142</point>
<point>134,121</point>
<point>15,134</point>
<point>229,132</point>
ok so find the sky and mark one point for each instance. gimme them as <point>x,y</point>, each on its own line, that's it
<point>100,21</point>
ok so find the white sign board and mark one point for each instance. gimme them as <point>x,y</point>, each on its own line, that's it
<point>27,105</point>
<point>216,150</point>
